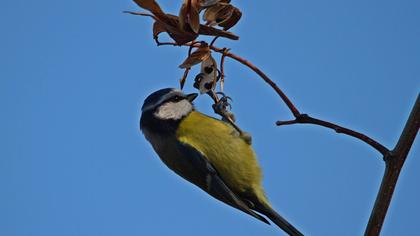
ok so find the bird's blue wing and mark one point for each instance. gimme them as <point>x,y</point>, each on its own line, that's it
<point>211,182</point>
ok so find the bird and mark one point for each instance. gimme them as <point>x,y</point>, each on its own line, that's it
<point>208,152</point>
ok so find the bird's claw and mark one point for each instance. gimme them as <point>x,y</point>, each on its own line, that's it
<point>220,107</point>
<point>224,101</point>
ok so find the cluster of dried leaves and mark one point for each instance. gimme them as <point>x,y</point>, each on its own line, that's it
<point>187,26</point>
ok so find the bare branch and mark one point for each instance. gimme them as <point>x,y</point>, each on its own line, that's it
<point>273,85</point>
<point>300,118</point>
<point>306,119</point>
<point>394,162</point>
<point>140,14</point>
<point>282,95</point>
<point>184,77</point>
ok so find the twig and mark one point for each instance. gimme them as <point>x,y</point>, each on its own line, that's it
<point>273,85</point>
<point>282,95</point>
<point>299,118</point>
<point>184,77</point>
<point>306,119</point>
<point>140,14</point>
<point>214,40</point>
<point>394,162</point>
<point>222,69</point>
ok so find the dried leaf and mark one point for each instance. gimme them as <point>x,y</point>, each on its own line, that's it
<point>222,14</point>
<point>207,30</point>
<point>210,15</point>
<point>199,55</point>
<point>150,5</point>
<point>194,16</point>
<point>170,24</point>
<point>184,36</point>
<point>232,20</point>
<point>158,28</point>
<point>208,3</point>
<point>190,13</point>
<point>183,14</point>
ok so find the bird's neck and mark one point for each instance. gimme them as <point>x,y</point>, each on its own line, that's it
<point>158,126</point>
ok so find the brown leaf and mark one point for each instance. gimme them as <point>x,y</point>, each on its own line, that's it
<point>170,24</point>
<point>208,3</point>
<point>184,36</point>
<point>158,28</point>
<point>199,55</point>
<point>222,14</point>
<point>183,14</point>
<point>150,5</point>
<point>232,20</point>
<point>211,14</point>
<point>207,30</point>
<point>190,13</point>
<point>194,16</point>
<point>180,36</point>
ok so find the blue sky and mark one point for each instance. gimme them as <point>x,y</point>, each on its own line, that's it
<point>73,75</point>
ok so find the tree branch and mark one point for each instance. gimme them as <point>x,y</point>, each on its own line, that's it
<point>306,119</point>
<point>299,118</point>
<point>282,95</point>
<point>394,162</point>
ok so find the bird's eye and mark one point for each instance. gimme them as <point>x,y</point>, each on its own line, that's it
<point>177,98</point>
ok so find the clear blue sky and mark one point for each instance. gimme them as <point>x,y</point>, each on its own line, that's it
<point>73,75</point>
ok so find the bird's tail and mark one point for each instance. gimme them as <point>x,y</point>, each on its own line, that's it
<point>278,220</point>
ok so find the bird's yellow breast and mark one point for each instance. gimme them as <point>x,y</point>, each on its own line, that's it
<point>232,157</point>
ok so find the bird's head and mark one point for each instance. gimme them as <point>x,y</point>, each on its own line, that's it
<point>168,104</point>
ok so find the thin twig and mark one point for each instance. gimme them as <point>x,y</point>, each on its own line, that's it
<point>140,14</point>
<point>306,119</point>
<point>273,85</point>
<point>222,69</point>
<point>214,40</point>
<point>299,118</point>
<point>394,162</point>
<point>184,77</point>
<point>282,95</point>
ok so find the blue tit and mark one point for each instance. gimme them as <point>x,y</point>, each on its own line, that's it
<point>207,152</point>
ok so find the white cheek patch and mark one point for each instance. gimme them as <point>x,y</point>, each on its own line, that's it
<point>175,111</point>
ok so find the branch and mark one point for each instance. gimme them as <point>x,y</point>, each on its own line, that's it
<point>273,85</point>
<point>299,118</point>
<point>306,119</point>
<point>282,95</point>
<point>394,162</point>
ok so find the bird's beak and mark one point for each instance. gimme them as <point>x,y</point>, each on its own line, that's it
<point>192,96</point>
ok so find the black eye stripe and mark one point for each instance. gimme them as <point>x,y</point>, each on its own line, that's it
<point>176,98</point>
